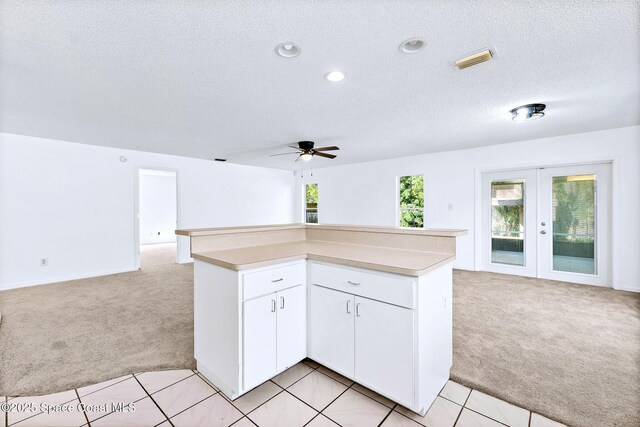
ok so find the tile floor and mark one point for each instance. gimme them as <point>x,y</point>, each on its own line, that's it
<point>305,395</point>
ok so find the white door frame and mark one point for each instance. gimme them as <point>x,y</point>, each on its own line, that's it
<point>603,225</point>
<point>530,178</point>
<point>615,216</point>
<point>136,210</point>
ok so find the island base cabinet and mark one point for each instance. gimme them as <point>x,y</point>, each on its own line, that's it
<point>384,350</point>
<point>331,322</point>
<point>291,327</point>
<point>259,340</point>
<point>363,339</point>
<point>274,334</point>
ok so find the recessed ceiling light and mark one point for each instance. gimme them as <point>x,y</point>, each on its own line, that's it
<point>475,59</point>
<point>334,76</point>
<point>288,50</point>
<point>412,45</point>
<point>528,112</point>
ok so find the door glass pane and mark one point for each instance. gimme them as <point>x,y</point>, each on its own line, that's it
<point>574,232</point>
<point>507,222</point>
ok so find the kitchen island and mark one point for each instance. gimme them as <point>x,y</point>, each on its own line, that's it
<point>371,303</point>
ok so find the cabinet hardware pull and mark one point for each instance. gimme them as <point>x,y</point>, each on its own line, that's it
<point>277,280</point>
<point>273,306</point>
<point>348,307</point>
<point>282,302</point>
<point>358,310</point>
<point>353,283</point>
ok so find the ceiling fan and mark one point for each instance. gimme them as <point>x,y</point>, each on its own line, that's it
<point>306,151</point>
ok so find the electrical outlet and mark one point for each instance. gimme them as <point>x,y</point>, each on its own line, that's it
<point>450,206</point>
<point>44,262</point>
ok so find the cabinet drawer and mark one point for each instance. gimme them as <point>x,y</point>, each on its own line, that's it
<point>379,286</point>
<point>273,279</point>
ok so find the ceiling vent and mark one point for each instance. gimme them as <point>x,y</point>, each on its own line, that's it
<point>475,59</point>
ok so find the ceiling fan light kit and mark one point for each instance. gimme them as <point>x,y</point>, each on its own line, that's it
<point>306,151</point>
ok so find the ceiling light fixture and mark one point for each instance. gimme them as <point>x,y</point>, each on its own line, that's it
<point>528,112</point>
<point>412,45</point>
<point>306,156</point>
<point>288,50</point>
<point>334,76</point>
<point>475,59</point>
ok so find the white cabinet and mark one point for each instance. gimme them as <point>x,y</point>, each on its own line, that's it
<point>331,334</point>
<point>388,332</point>
<point>274,334</point>
<point>259,339</point>
<point>363,339</point>
<point>384,348</point>
<point>291,327</point>
<point>248,326</point>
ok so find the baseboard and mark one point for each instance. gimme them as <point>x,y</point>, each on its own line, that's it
<point>63,279</point>
<point>624,288</point>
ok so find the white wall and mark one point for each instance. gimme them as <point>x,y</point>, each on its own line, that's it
<point>365,193</point>
<point>158,206</point>
<point>74,204</point>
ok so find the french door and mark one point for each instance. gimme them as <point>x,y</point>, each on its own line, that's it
<point>551,223</point>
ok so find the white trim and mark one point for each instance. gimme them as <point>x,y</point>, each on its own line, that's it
<point>136,213</point>
<point>615,216</point>
<point>65,278</point>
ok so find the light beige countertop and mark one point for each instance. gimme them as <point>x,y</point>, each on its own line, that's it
<point>336,227</point>
<point>391,260</point>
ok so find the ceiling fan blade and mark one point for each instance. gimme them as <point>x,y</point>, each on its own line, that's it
<point>333,147</point>
<point>328,156</point>
<point>295,147</point>
<point>281,154</point>
<point>299,158</point>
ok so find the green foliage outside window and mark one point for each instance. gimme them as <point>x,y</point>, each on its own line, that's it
<point>412,201</point>
<point>574,210</point>
<point>312,195</point>
<point>311,203</point>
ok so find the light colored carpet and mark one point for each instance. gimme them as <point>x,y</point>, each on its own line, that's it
<point>65,335</point>
<point>157,254</point>
<point>569,352</point>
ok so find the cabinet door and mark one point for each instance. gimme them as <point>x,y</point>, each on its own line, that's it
<point>331,323</point>
<point>259,340</point>
<point>292,326</point>
<point>384,348</point>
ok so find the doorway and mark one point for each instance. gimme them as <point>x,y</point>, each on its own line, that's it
<point>550,223</point>
<point>157,217</point>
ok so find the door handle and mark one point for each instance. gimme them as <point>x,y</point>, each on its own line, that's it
<point>281,302</point>
<point>348,306</point>
<point>277,280</point>
<point>543,231</point>
<point>273,305</point>
<point>358,310</point>
<point>353,283</point>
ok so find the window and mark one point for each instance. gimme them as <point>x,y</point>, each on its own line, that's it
<point>412,201</point>
<point>311,203</point>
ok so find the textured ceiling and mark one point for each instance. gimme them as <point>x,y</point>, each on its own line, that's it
<point>201,79</point>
